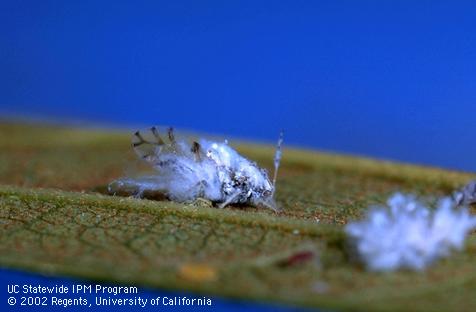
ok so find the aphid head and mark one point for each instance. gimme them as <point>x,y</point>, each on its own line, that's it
<point>268,192</point>
<point>266,199</point>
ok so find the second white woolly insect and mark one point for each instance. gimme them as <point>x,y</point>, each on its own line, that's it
<point>408,234</point>
<point>205,169</point>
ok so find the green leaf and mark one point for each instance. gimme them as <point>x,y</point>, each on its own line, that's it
<point>53,219</point>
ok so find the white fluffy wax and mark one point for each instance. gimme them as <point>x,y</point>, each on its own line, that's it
<point>407,234</point>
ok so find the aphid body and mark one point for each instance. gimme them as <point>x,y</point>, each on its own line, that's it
<point>205,169</point>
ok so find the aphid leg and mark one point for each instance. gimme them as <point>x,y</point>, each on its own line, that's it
<point>155,132</point>
<point>229,200</point>
<point>139,194</point>
<point>271,204</point>
<point>196,151</point>
<point>195,192</point>
<point>277,160</point>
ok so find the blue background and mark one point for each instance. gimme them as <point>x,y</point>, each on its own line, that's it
<point>388,79</point>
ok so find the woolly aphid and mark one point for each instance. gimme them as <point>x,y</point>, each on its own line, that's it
<point>204,169</point>
<point>406,234</point>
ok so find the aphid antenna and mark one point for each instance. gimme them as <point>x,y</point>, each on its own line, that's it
<point>277,159</point>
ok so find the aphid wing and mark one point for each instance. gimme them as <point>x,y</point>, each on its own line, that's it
<point>149,144</point>
<point>145,148</point>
